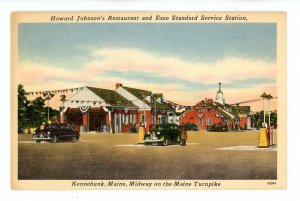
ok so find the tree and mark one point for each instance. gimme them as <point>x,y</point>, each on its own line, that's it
<point>37,111</point>
<point>258,119</point>
<point>32,113</point>
<point>22,107</point>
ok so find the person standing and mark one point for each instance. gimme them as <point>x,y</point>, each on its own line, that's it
<point>183,135</point>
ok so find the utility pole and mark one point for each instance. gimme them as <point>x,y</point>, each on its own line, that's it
<point>144,115</point>
<point>62,117</point>
<point>154,111</point>
<point>144,119</point>
<point>48,109</point>
<point>49,96</point>
<point>264,96</point>
<point>269,97</point>
<point>155,97</point>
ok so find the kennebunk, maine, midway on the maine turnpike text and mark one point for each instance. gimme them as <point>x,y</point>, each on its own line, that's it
<point>148,184</point>
<point>148,100</point>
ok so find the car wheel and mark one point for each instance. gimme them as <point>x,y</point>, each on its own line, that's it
<point>74,139</point>
<point>54,139</point>
<point>38,141</point>
<point>166,142</point>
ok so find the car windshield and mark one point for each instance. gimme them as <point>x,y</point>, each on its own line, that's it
<point>42,127</point>
<point>173,127</point>
<point>158,127</point>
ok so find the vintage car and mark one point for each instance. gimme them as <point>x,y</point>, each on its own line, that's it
<point>54,132</point>
<point>191,127</point>
<point>21,130</point>
<point>163,134</point>
<point>217,128</point>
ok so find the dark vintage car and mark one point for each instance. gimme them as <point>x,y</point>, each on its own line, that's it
<point>54,132</point>
<point>21,130</point>
<point>191,127</point>
<point>217,128</point>
<point>163,134</point>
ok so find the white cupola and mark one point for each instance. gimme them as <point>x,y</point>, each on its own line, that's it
<point>219,95</point>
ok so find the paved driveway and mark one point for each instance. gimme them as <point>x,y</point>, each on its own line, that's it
<point>116,156</point>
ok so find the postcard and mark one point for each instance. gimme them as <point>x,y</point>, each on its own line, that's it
<point>148,100</point>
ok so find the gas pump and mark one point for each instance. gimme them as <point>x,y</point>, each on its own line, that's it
<point>263,138</point>
<point>271,136</point>
<point>266,137</point>
<point>142,132</point>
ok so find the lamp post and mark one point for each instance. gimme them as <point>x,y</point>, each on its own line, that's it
<point>154,119</point>
<point>62,99</point>
<point>49,96</point>
<point>144,119</point>
<point>264,96</point>
<point>269,97</point>
<point>144,116</point>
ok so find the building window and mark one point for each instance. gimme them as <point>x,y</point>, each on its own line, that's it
<point>123,119</point>
<point>209,121</point>
<point>162,120</point>
<point>142,120</point>
<point>132,119</point>
<point>201,121</point>
<point>126,119</point>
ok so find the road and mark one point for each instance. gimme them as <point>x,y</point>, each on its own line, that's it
<point>116,156</point>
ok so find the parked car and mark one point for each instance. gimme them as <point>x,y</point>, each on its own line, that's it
<point>217,128</point>
<point>163,134</point>
<point>54,132</point>
<point>191,127</point>
<point>21,130</point>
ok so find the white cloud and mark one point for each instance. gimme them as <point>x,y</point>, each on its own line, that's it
<point>225,70</point>
<point>40,77</point>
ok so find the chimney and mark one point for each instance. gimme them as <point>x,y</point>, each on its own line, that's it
<point>118,85</point>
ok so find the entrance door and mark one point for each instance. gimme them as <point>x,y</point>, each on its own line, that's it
<point>117,123</point>
<point>96,118</point>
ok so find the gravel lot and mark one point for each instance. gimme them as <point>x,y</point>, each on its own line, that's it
<point>116,156</point>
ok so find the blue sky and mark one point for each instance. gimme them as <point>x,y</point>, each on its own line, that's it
<point>70,45</point>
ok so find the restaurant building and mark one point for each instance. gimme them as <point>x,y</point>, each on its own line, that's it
<point>209,112</point>
<point>114,111</point>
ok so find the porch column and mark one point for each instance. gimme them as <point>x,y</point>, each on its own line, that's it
<point>85,120</point>
<point>88,121</point>
<point>248,122</point>
<point>109,119</point>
